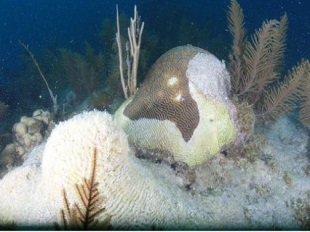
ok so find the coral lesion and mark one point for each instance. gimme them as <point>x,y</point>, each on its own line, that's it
<point>84,214</point>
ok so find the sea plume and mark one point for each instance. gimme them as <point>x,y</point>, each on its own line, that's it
<point>236,60</point>
<point>83,215</point>
<point>256,63</point>
<point>3,110</point>
<point>255,66</point>
<point>304,114</point>
<point>285,95</point>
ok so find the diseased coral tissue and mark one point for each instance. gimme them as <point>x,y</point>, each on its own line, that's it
<point>191,142</point>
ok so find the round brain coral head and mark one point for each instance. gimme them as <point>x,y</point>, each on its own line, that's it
<point>165,94</point>
<point>182,107</point>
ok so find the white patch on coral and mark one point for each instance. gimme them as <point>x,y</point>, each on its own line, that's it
<point>228,193</point>
<point>136,195</point>
<point>172,81</point>
<point>210,75</point>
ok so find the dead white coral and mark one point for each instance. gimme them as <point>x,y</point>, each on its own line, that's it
<point>136,194</point>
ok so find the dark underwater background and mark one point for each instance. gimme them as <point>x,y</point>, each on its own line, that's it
<point>69,24</point>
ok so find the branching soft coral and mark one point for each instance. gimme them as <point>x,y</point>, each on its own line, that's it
<point>3,109</point>
<point>83,215</point>
<point>285,95</point>
<point>255,68</point>
<point>85,73</point>
<point>256,63</point>
<point>304,114</point>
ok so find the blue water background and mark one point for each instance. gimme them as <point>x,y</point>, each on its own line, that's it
<point>70,23</point>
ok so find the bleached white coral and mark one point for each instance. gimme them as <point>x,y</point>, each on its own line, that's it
<point>136,196</point>
<point>210,75</point>
<point>182,107</point>
<point>227,194</point>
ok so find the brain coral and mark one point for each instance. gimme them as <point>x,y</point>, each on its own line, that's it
<point>137,195</point>
<point>140,194</point>
<point>182,107</point>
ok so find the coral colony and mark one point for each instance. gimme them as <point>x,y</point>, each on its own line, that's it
<point>199,145</point>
